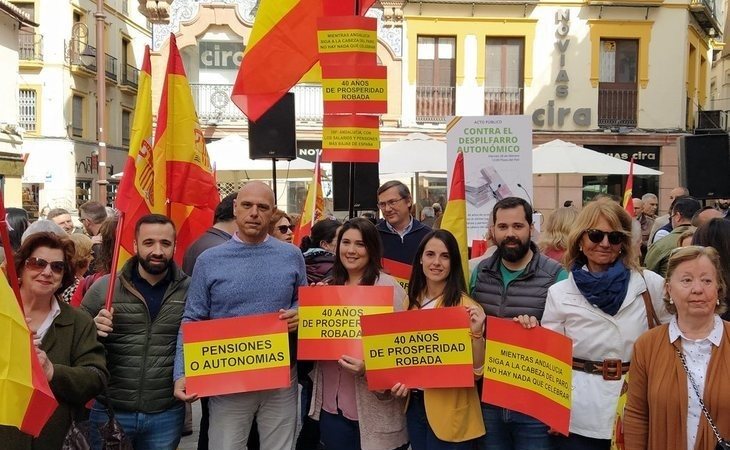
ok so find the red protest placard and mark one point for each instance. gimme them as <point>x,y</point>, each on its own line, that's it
<point>351,138</point>
<point>240,354</point>
<point>329,319</point>
<point>529,371</point>
<point>398,270</point>
<point>347,40</point>
<point>427,348</point>
<point>355,89</point>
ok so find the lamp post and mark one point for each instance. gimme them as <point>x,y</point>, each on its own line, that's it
<point>101,100</point>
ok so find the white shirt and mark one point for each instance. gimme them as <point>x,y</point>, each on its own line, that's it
<point>697,353</point>
<point>46,325</point>
<point>403,232</point>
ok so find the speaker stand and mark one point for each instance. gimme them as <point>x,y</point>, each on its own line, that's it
<point>273,180</point>
<point>351,200</point>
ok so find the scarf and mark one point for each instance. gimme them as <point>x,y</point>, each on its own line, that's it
<point>605,290</point>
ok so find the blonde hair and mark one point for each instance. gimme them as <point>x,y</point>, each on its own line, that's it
<point>557,228</point>
<point>82,250</point>
<point>693,252</point>
<point>617,218</point>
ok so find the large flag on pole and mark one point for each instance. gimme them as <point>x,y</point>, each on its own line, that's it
<point>282,48</point>
<point>184,180</point>
<point>136,193</point>
<point>454,219</point>
<point>26,399</point>
<point>628,202</point>
<point>313,207</point>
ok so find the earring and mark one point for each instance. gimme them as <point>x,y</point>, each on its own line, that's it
<point>671,302</point>
<point>718,302</point>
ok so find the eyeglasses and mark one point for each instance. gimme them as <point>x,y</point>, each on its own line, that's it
<point>283,228</point>
<point>614,237</point>
<point>40,264</point>
<point>389,203</point>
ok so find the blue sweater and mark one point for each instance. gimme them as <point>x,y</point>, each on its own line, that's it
<point>238,279</point>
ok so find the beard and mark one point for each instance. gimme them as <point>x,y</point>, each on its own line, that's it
<point>513,254</point>
<point>154,269</point>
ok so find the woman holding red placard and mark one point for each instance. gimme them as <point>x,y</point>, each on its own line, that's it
<point>446,418</point>
<point>351,416</point>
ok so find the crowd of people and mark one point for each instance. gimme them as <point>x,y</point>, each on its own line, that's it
<point>641,295</point>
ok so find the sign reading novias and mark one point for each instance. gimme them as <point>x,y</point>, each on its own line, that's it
<point>552,115</point>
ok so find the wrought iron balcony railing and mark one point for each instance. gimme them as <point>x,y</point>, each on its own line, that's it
<point>503,101</point>
<point>435,103</point>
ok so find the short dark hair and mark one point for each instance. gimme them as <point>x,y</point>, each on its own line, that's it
<point>224,210</point>
<point>373,245</point>
<point>50,240</point>
<point>94,210</point>
<point>686,207</point>
<point>402,188</point>
<point>512,202</point>
<point>153,219</point>
<point>455,284</point>
<point>55,212</point>
<point>324,230</point>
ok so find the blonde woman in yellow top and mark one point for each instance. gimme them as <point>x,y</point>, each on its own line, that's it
<point>445,418</point>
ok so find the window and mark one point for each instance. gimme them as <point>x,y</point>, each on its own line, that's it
<point>436,78</point>
<point>126,124</point>
<point>77,123</point>
<point>27,109</point>
<point>617,87</point>
<point>503,75</point>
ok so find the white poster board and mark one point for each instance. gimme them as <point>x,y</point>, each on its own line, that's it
<point>497,163</point>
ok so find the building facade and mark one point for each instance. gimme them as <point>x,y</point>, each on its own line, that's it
<point>625,77</point>
<point>13,21</point>
<point>56,89</point>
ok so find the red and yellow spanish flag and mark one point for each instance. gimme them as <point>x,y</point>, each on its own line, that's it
<point>454,219</point>
<point>282,48</point>
<point>185,187</point>
<point>313,207</point>
<point>135,196</point>
<point>629,192</point>
<point>26,400</point>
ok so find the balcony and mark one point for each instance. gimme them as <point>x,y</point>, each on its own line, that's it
<point>213,103</point>
<point>705,13</point>
<point>617,105</point>
<point>130,79</point>
<point>30,47</point>
<point>82,58</point>
<point>502,101</point>
<point>435,103</point>
<point>110,67</point>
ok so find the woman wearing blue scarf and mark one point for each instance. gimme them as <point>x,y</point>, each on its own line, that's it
<point>601,308</point>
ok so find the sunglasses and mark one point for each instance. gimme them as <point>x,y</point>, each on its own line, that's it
<point>283,228</point>
<point>40,264</point>
<point>614,237</point>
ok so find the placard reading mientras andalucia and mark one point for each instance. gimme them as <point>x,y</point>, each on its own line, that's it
<point>497,163</point>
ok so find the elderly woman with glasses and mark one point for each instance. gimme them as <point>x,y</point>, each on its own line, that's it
<point>679,370</point>
<point>65,338</point>
<point>281,226</point>
<point>602,308</point>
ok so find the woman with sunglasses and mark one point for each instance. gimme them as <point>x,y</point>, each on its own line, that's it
<point>351,416</point>
<point>447,418</point>
<point>281,227</point>
<point>601,308</point>
<point>65,339</point>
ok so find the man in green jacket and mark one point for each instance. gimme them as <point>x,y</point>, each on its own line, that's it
<point>139,333</point>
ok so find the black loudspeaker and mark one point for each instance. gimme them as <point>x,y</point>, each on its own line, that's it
<point>704,165</point>
<point>366,185</point>
<point>274,134</point>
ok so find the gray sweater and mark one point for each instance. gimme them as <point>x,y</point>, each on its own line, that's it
<point>239,279</point>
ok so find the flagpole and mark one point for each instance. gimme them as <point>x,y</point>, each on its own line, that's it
<point>115,263</point>
<point>351,192</point>
<point>9,259</point>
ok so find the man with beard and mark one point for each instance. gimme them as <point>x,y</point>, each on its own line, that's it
<point>139,333</point>
<point>511,282</point>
